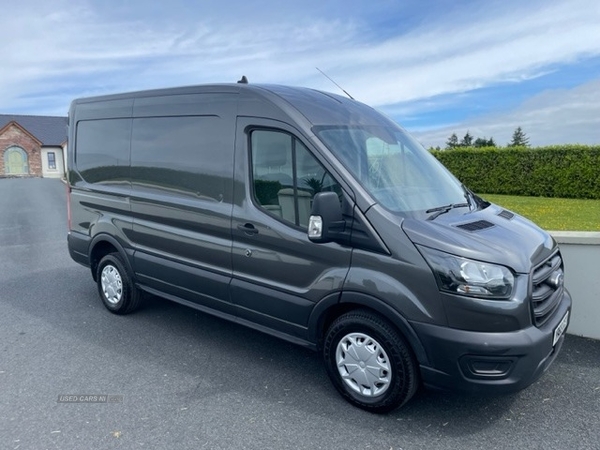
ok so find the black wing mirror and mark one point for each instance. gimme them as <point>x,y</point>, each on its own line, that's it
<point>326,220</point>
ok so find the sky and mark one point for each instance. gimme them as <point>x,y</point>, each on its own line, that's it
<point>437,67</point>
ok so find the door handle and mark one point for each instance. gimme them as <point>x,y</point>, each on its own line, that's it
<point>248,228</point>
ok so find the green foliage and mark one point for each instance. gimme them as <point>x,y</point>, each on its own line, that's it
<point>570,171</point>
<point>315,184</point>
<point>452,141</point>
<point>467,140</point>
<point>519,139</point>
<point>483,142</point>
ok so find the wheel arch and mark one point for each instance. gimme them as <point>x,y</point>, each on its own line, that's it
<point>103,244</point>
<point>334,305</point>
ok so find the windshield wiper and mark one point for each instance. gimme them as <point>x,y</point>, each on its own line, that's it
<point>444,209</point>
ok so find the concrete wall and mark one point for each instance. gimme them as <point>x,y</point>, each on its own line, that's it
<point>581,255</point>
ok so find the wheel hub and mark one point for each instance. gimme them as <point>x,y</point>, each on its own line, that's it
<point>112,284</point>
<point>363,364</point>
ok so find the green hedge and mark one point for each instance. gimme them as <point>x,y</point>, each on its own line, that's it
<point>570,171</point>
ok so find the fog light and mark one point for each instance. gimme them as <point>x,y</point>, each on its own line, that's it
<point>483,367</point>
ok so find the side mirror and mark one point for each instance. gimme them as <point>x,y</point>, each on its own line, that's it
<point>326,219</point>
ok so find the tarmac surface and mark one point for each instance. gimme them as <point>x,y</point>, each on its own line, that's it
<point>167,377</point>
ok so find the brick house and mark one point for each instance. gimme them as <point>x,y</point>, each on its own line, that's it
<point>32,146</point>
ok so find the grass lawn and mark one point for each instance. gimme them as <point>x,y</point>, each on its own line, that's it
<point>556,214</point>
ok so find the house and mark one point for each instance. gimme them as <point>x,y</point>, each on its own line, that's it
<point>33,146</point>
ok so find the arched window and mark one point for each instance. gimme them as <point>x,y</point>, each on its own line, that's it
<point>15,161</point>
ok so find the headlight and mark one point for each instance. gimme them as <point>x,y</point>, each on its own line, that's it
<point>467,277</point>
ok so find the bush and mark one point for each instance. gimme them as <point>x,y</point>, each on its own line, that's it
<point>570,171</point>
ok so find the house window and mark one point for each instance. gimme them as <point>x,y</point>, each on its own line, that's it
<point>51,160</point>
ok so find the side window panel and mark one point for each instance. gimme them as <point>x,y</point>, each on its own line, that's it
<point>182,155</point>
<point>102,150</point>
<point>286,176</point>
<point>271,168</point>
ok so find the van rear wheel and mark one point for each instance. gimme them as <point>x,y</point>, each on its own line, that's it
<point>369,362</point>
<point>116,289</point>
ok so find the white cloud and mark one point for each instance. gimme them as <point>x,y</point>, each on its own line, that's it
<point>58,51</point>
<point>455,58</point>
<point>564,116</point>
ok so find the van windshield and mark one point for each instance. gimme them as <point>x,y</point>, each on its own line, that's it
<point>397,171</point>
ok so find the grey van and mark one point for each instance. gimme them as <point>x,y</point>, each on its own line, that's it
<point>313,218</point>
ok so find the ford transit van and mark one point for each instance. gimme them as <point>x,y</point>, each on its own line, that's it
<point>316,219</point>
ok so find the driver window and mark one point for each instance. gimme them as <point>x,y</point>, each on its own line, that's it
<point>286,176</point>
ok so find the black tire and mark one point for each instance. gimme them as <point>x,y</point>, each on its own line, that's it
<point>393,377</point>
<point>116,289</point>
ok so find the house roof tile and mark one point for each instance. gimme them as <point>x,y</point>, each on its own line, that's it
<point>49,130</point>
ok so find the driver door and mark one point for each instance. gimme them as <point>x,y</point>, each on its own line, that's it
<point>278,274</point>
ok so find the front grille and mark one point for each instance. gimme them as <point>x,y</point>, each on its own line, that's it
<point>547,288</point>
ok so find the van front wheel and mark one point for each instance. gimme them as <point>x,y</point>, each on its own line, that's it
<point>117,291</point>
<point>369,362</point>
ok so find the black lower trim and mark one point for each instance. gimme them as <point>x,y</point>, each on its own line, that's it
<point>79,245</point>
<point>231,318</point>
<point>489,362</point>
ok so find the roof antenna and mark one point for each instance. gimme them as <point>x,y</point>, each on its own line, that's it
<point>343,90</point>
<point>243,80</point>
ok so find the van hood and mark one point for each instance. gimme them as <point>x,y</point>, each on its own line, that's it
<point>493,235</point>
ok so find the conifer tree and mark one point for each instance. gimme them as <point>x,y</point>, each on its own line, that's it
<point>519,139</point>
<point>452,141</point>
<point>467,141</point>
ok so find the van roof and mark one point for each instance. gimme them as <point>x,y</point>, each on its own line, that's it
<point>322,108</point>
<point>317,107</point>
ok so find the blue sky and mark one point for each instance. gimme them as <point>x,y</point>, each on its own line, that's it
<point>436,67</point>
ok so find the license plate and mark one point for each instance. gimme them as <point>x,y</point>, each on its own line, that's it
<point>560,329</point>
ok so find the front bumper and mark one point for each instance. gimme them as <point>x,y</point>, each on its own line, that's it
<point>489,362</point>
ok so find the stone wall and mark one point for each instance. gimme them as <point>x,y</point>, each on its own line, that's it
<point>13,135</point>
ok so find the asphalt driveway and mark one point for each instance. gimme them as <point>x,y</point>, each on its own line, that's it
<point>178,379</point>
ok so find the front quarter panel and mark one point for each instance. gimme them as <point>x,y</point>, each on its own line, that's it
<point>409,289</point>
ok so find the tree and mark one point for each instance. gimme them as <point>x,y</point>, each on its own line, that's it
<point>483,142</point>
<point>452,141</point>
<point>467,141</point>
<point>519,139</point>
